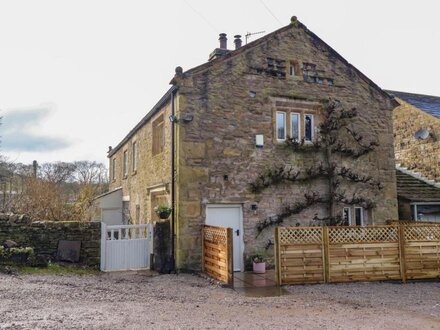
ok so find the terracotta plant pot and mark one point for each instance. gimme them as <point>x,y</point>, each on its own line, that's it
<point>259,267</point>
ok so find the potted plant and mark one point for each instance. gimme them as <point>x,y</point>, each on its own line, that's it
<point>163,211</point>
<point>259,265</point>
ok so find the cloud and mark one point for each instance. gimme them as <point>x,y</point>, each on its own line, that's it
<point>17,135</point>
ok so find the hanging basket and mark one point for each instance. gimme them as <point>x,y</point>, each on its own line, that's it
<point>164,215</point>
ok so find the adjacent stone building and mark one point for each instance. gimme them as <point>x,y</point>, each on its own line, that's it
<point>417,152</point>
<point>230,119</point>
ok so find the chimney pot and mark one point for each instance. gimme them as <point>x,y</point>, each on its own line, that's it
<point>223,41</point>
<point>237,41</point>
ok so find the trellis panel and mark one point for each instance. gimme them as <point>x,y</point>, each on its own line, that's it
<point>342,254</point>
<point>300,256</point>
<point>363,253</point>
<point>422,251</point>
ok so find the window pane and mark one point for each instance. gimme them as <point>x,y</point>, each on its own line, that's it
<point>295,126</point>
<point>125,162</point>
<point>358,216</point>
<point>308,127</point>
<point>134,156</point>
<point>428,212</point>
<point>346,216</point>
<point>114,168</point>
<point>281,126</point>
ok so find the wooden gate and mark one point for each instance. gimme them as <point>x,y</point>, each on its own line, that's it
<point>126,247</point>
<point>217,253</point>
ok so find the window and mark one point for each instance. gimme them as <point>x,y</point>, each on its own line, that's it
<point>293,69</point>
<point>125,163</point>
<point>281,125</point>
<point>308,128</point>
<point>294,126</point>
<point>158,135</point>
<point>114,168</point>
<point>359,216</point>
<point>134,156</point>
<point>346,216</point>
<point>426,212</point>
<point>138,214</point>
<point>296,120</point>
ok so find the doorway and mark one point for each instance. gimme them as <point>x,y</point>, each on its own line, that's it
<point>229,216</point>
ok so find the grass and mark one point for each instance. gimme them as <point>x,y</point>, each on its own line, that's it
<point>58,269</point>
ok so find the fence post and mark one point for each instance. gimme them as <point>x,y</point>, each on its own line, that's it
<point>277,257</point>
<point>401,229</point>
<point>325,252</point>
<point>230,256</point>
<point>103,241</point>
<point>202,233</point>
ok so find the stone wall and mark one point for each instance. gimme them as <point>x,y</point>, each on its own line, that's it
<point>153,173</point>
<point>422,156</point>
<point>233,99</point>
<point>43,236</point>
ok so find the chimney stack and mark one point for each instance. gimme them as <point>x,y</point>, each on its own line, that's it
<point>222,50</point>
<point>237,41</point>
<point>223,41</point>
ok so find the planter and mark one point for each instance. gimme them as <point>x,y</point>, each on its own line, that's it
<point>164,215</point>
<point>259,267</point>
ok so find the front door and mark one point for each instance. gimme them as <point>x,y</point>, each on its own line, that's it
<point>229,216</point>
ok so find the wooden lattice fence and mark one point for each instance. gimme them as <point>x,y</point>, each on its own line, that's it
<point>422,251</point>
<point>217,253</point>
<point>342,254</point>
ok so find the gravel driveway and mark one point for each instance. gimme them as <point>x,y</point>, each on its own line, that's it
<point>138,300</point>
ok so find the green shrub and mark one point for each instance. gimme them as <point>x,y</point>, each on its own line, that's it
<point>16,256</point>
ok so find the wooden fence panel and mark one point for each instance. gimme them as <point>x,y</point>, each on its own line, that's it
<point>300,255</point>
<point>422,251</point>
<point>217,253</point>
<point>363,253</point>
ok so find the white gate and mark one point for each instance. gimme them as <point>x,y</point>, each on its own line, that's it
<point>126,247</point>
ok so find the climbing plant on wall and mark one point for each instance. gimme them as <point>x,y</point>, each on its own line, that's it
<point>337,140</point>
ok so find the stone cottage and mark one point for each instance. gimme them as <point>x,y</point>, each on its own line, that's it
<point>417,152</point>
<point>223,124</point>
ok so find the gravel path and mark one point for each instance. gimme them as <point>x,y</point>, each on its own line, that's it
<point>140,301</point>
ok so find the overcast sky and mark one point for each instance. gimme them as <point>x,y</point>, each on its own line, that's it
<point>76,76</point>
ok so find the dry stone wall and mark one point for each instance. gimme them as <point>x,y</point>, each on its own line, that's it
<point>43,236</point>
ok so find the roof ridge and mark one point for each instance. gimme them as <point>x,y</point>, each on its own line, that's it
<point>417,176</point>
<point>418,94</point>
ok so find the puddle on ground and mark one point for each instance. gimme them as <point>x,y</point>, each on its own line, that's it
<point>266,291</point>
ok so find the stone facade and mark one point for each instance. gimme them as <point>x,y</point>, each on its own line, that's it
<point>43,236</point>
<point>234,98</point>
<point>150,181</point>
<point>422,156</point>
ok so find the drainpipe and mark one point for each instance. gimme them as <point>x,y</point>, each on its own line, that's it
<point>173,177</point>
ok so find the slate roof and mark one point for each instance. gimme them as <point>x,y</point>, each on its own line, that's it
<point>429,104</point>
<point>414,189</point>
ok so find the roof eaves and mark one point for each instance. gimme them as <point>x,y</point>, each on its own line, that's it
<point>417,176</point>
<point>163,100</point>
